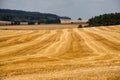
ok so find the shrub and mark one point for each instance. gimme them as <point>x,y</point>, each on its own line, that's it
<point>15,23</point>
<point>80,26</point>
<point>31,23</point>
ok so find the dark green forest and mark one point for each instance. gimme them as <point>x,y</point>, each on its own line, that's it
<point>65,17</point>
<point>105,20</point>
<point>17,16</point>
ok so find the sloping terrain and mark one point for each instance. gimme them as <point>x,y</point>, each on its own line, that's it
<point>63,54</point>
<point>73,21</point>
<point>39,27</point>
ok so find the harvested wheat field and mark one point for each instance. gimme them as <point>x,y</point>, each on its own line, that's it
<point>40,27</point>
<point>60,54</point>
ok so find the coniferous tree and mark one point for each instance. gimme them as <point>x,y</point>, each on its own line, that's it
<point>105,20</point>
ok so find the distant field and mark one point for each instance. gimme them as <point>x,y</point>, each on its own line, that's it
<point>74,21</point>
<point>59,53</point>
<point>39,27</point>
<point>5,23</point>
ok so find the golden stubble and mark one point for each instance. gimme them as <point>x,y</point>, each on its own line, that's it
<point>60,54</point>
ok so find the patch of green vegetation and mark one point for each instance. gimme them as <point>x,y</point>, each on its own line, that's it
<point>18,16</point>
<point>105,20</point>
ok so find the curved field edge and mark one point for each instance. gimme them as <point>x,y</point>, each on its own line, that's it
<point>62,54</point>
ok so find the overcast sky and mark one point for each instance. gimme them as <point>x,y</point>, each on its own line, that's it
<point>72,8</point>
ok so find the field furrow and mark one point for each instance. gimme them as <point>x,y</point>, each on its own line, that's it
<point>60,54</point>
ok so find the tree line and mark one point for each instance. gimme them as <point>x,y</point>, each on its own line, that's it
<point>18,16</point>
<point>105,20</point>
<point>65,17</point>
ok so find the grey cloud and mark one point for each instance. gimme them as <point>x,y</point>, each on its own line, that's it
<point>72,8</point>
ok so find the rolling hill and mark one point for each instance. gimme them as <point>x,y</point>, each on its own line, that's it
<point>27,16</point>
<point>60,54</point>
